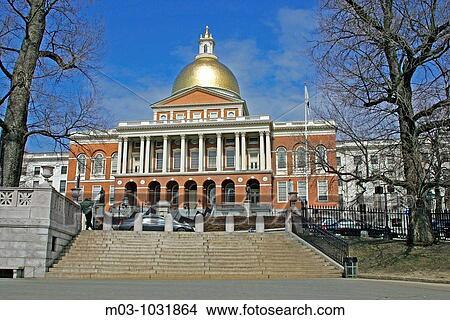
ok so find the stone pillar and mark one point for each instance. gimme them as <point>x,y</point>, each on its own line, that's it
<point>164,164</point>
<point>219,152</point>
<point>262,154</point>
<point>288,221</point>
<point>237,154</point>
<point>147,155</point>
<point>268,151</point>
<point>260,223</point>
<point>107,221</point>
<point>141,155</point>
<point>201,155</point>
<point>244,151</point>
<point>119,156</point>
<point>125,155</point>
<point>138,222</point>
<point>199,223</point>
<point>229,224</point>
<point>168,223</point>
<point>183,153</point>
<point>152,154</point>
<point>247,207</point>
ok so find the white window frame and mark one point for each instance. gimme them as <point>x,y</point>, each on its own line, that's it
<point>231,114</point>
<point>93,165</point>
<point>163,117</point>
<point>93,196</point>
<point>34,171</point>
<point>279,183</point>
<point>302,195</point>
<point>158,161</point>
<point>196,115</point>
<point>211,164</point>
<point>82,174</point>
<point>114,155</point>
<point>213,115</point>
<point>319,167</point>
<point>233,157</point>
<point>179,116</point>
<point>174,151</point>
<point>65,186</point>
<point>192,151</point>
<point>277,159</point>
<point>61,169</point>
<point>249,153</point>
<point>295,159</point>
<point>318,190</point>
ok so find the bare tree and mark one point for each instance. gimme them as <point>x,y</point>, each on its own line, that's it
<point>46,52</point>
<point>384,68</point>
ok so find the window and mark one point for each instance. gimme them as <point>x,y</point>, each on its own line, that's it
<point>176,159</point>
<point>229,142</point>
<point>63,169</point>
<point>81,167</point>
<point>35,184</point>
<point>282,191</point>
<point>179,116</point>
<point>300,159</point>
<point>98,165</point>
<point>357,160</point>
<point>321,158</point>
<point>114,163</point>
<point>229,194</point>
<point>281,158</point>
<point>390,160</point>
<point>231,114</point>
<point>322,190</point>
<point>253,140</point>
<point>212,157</point>
<point>62,186</point>
<point>229,157</point>
<point>37,171</point>
<point>95,191</point>
<point>253,157</point>
<point>301,190</point>
<point>374,159</point>
<point>111,194</point>
<point>213,115</point>
<point>194,159</point>
<point>163,117</point>
<point>159,160</point>
<point>197,115</point>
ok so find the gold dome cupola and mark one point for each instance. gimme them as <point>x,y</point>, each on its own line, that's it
<point>206,70</point>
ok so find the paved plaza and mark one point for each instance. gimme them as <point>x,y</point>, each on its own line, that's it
<point>208,289</point>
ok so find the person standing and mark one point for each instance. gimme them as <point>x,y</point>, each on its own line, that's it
<point>86,208</point>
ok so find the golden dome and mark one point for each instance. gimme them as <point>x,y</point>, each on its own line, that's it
<point>206,71</point>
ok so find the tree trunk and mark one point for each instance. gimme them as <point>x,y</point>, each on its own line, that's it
<point>14,133</point>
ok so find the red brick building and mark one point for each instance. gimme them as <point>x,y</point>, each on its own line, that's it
<point>203,148</point>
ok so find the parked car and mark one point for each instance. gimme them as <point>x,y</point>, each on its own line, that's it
<point>152,222</point>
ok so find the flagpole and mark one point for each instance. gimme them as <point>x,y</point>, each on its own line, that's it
<point>306,144</point>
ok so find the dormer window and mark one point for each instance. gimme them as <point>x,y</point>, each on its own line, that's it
<point>163,117</point>
<point>213,115</point>
<point>231,114</point>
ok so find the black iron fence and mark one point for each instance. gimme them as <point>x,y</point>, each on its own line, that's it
<point>355,221</point>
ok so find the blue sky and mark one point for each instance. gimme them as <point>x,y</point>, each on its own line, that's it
<point>147,42</point>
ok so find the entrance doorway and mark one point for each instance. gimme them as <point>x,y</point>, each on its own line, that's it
<point>253,191</point>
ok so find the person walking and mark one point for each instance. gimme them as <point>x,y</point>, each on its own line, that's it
<point>86,208</point>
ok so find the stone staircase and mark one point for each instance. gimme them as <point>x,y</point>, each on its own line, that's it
<point>212,255</point>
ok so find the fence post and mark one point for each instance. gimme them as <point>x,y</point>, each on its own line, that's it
<point>199,223</point>
<point>260,224</point>
<point>168,223</point>
<point>107,221</point>
<point>229,223</point>
<point>288,221</point>
<point>138,222</point>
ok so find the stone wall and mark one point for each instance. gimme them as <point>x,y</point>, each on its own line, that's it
<point>35,226</point>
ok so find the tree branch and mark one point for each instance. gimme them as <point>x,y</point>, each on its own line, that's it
<point>433,125</point>
<point>428,112</point>
<point>5,71</point>
<point>59,61</point>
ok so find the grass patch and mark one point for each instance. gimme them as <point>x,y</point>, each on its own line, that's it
<point>394,258</point>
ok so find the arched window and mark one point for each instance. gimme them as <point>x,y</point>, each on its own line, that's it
<point>98,165</point>
<point>229,194</point>
<point>81,164</point>
<point>281,158</point>
<point>205,48</point>
<point>321,158</point>
<point>114,163</point>
<point>163,117</point>
<point>300,159</point>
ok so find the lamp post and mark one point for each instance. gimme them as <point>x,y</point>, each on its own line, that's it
<point>385,189</point>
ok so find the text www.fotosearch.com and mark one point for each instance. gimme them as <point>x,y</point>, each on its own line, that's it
<point>257,310</point>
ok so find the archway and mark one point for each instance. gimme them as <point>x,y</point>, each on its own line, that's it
<point>190,195</point>
<point>253,190</point>
<point>172,189</point>
<point>209,193</point>
<point>228,192</point>
<point>130,193</point>
<point>154,192</point>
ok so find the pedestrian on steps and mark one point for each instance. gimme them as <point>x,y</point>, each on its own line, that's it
<point>86,208</point>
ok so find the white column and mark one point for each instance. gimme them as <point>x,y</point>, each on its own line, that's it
<point>141,155</point>
<point>164,164</point>
<point>237,165</point>
<point>200,152</point>
<point>219,152</point>
<point>268,151</point>
<point>151,154</point>
<point>243,151</point>
<point>262,155</point>
<point>147,155</point>
<point>119,156</point>
<point>125,155</point>
<point>183,153</point>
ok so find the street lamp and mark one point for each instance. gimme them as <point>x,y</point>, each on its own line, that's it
<point>385,189</point>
